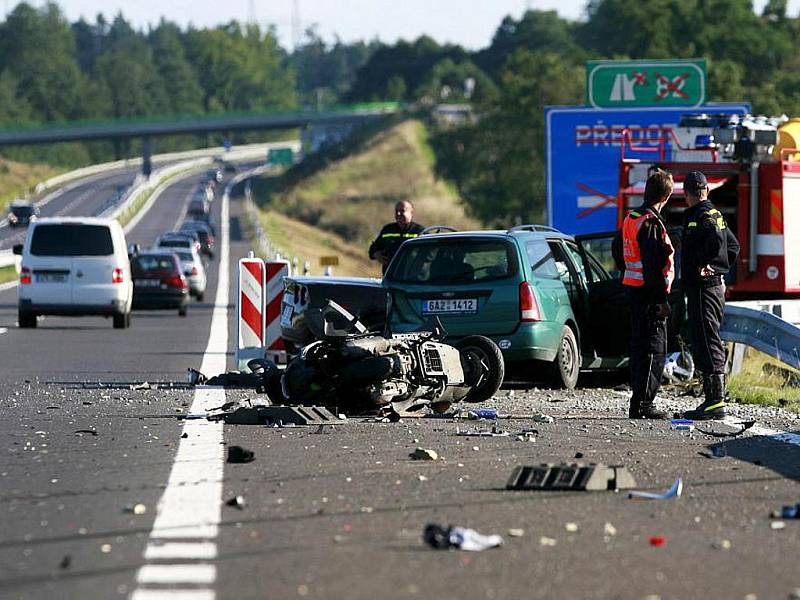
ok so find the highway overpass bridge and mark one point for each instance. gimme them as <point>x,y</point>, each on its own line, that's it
<point>149,127</point>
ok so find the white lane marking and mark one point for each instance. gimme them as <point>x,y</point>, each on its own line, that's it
<point>3,330</point>
<point>191,506</point>
<point>182,213</point>
<point>173,595</point>
<point>181,550</point>
<point>197,574</point>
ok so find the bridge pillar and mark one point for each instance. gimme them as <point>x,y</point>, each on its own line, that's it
<point>147,165</point>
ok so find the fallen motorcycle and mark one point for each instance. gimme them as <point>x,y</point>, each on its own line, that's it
<point>357,371</point>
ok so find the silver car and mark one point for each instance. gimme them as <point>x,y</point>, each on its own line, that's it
<point>193,269</point>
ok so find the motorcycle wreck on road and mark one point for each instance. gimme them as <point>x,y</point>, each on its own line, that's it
<point>356,371</point>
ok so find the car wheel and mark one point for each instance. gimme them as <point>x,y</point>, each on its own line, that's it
<point>182,309</point>
<point>27,320</point>
<point>567,363</point>
<point>122,320</point>
<point>484,368</point>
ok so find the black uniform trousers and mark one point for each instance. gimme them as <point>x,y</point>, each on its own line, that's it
<point>648,349</point>
<point>706,308</point>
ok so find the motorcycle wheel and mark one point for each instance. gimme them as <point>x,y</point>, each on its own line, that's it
<point>484,368</point>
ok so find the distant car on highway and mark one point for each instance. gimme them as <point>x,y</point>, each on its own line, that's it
<point>159,282</point>
<point>204,236</point>
<point>215,174</point>
<point>177,240</point>
<point>74,266</point>
<point>194,271</point>
<point>22,213</point>
<point>231,168</point>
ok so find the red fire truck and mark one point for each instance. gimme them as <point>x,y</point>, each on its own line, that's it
<point>753,169</point>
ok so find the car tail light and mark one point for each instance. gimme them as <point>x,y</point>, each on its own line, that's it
<point>24,276</point>
<point>116,276</point>
<point>528,305</point>
<point>176,281</point>
<point>194,270</point>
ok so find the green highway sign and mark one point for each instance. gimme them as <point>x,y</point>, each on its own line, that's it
<point>630,83</point>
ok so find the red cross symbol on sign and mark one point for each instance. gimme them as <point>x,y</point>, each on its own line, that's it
<point>675,87</point>
<point>639,78</point>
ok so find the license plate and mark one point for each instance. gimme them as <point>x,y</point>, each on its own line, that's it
<point>147,282</point>
<point>286,316</point>
<point>51,277</point>
<point>453,306</point>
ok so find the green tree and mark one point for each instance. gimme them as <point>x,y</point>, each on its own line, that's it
<point>184,94</point>
<point>448,81</point>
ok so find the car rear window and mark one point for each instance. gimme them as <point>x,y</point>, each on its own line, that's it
<point>22,210</point>
<point>145,264</point>
<point>186,256</point>
<point>68,239</point>
<point>454,261</point>
<point>175,243</point>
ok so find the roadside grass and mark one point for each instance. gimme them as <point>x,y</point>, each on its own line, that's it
<point>764,380</point>
<point>353,196</point>
<point>8,274</point>
<point>17,179</point>
<point>293,238</point>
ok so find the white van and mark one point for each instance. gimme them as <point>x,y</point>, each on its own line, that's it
<point>75,266</point>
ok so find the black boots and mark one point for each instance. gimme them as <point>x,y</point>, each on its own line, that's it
<point>714,405</point>
<point>646,410</point>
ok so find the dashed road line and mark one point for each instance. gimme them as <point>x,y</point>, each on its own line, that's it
<point>188,515</point>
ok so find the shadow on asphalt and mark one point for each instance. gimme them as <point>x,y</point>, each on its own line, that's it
<point>236,230</point>
<point>764,451</point>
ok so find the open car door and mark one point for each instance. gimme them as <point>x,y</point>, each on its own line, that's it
<point>609,315</point>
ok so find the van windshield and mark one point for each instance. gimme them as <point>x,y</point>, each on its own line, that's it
<point>72,239</point>
<point>453,261</point>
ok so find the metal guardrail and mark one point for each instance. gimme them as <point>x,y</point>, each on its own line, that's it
<point>764,332</point>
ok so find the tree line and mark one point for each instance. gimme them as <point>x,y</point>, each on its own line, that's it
<point>52,70</point>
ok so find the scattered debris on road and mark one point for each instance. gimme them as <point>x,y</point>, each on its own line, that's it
<point>236,502</point>
<point>443,538</point>
<point>136,509</point>
<point>547,541</point>
<point>140,386</point>
<point>787,512</point>
<point>423,454</point>
<point>516,532</point>
<point>673,492</point>
<point>80,432</point>
<point>493,432</point>
<point>542,418</point>
<point>65,563</point>
<point>657,540</point>
<point>571,476</point>
<point>237,454</point>
<point>483,413</point>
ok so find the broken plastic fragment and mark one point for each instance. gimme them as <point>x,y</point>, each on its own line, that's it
<point>673,492</point>
<point>461,538</point>
<point>423,454</point>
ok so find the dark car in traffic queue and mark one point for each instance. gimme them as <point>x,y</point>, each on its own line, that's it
<point>158,282</point>
<point>547,299</point>
<point>202,232</point>
<point>22,213</point>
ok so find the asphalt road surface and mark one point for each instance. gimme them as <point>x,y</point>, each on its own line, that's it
<point>338,512</point>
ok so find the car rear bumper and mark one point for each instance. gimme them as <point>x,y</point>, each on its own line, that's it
<point>69,310</point>
<point>157,301</point>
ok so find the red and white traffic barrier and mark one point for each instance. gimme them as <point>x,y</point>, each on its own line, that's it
<point>250,309</point>
<point>276,271</point>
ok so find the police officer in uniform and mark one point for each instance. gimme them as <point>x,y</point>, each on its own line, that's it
<point>709,250</point>
<point>645,253</point>
<point>392,235</point>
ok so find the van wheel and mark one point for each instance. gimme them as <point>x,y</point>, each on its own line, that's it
<point>182,310</point>
<point>26,320</point>
<point>122,321</point>
<point>484,367</point>
<point>567,364</point>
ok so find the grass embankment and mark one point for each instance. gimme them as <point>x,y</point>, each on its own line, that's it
<point>8,274</point>
<point>351,197</point>
<point>18,178</point>
<point>766,381</point>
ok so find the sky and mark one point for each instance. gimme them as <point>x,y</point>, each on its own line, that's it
<point>470,23</point>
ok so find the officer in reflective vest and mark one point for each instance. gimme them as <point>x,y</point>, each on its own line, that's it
<point>709,250</point>
<point>392,235</point>
<point>645,253</point>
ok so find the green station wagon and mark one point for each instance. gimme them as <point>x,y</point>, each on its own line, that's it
<point>545,298</point>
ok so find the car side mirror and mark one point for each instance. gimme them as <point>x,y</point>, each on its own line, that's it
<point>17,249</point>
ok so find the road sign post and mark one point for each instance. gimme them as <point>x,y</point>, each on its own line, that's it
<point>624,84</point>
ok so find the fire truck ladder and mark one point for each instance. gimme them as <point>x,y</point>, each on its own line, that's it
<point>763,331</point>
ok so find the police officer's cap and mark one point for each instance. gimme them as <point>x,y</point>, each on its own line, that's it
<point>695,181</point>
